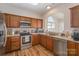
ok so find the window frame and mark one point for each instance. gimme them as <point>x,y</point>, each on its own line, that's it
<point>51,24</point>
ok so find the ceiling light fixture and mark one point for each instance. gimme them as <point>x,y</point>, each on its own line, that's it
<point>34,3</point>
<point>48,7</point>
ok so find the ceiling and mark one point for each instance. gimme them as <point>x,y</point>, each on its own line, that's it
<point>40,8</point>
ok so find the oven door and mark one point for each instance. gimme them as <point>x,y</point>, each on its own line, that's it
<point>26,39</point>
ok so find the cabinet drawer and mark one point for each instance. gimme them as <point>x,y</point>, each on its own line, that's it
<point>71,48</point>
<point>72,52</point>
<point>70,44</point>
<point>15,45</point>
<point>13,39</point>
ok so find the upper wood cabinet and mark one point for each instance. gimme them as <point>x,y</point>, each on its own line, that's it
<point>7,20</point>
<point>37,23</point>
<point>34,23</point>
<point>74,16</point>
<point>12,21</point>
<point>40,23</point>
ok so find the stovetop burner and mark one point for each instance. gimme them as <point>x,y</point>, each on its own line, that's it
<point>23,34</point>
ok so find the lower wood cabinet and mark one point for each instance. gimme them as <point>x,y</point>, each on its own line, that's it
<point>13,43</point>
<point>77,48</point>
<point>35,39</point>
<point>43,40</point>
<point>71,48</point>
<point>8,45</point>
<point>50,43</point>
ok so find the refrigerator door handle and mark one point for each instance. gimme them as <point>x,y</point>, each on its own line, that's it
<point>5,32</point>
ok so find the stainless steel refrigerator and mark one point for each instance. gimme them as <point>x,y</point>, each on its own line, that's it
<point>2,34</point>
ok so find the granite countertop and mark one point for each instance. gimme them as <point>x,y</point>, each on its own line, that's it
<point>64,38</point>
<point>58,37</point>
<point>12,35</point>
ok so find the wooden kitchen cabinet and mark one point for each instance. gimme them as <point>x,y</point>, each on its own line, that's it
<point>50,43</point>
<point>12,21</point>
<point>44,40</point>
<point>40,23</point>
<point>35,39</point>
<point>71,48</point>
<point>34,23</point>
<point>8,45</point>
<point>74,16</point>
<point>7,20</point>
<point>13,43</point>
<point>37,23</point>
<point>77,48</point>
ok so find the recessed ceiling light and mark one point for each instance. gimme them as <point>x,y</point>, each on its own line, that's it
<point>48,7</point>
<point>34,3</point>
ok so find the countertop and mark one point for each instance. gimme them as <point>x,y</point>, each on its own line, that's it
<point>12,35</point>
<point>58,37</point>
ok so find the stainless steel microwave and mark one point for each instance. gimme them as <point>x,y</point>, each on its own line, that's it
<point>25,24</point>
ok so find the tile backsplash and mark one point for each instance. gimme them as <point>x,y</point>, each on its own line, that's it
<point>13,31</point>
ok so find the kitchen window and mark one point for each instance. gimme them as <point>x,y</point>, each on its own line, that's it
<point>50,24</point>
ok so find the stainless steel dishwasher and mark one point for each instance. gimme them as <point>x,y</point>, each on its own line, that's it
<point>60,47</point>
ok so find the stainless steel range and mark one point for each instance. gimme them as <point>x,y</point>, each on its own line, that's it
<point>25,40</point>
<point>25,34</point>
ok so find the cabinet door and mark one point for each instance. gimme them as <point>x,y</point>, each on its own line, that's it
<point>75,16</point>
<point>43,40</point>
<point>40,39</point>
<point>8,45</point>
<point>77,48</point>
<point>35,39</point>
<point>34,23</point>
<point>71,48</point>
<point>15,43</point>
<point>50,43</point>
<point>7,20</point>
<point>14,21</point>
<point>40,23</point>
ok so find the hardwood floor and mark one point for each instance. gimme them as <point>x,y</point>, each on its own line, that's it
<point>37,50</point>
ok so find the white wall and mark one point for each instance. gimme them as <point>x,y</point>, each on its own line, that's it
<point>13,10</point>
<point>61,12</point>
